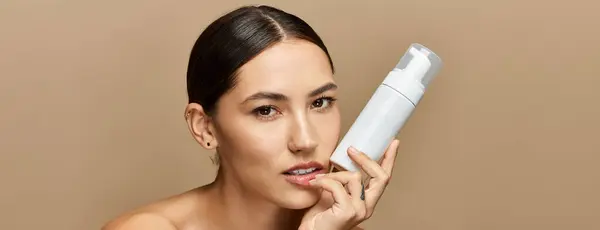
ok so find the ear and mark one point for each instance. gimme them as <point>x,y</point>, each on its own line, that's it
<point>201,126</point>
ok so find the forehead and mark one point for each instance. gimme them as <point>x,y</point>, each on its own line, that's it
<point>288,67</point>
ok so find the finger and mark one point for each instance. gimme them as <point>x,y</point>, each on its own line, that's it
<point>389,158</point>
<point>387,164</point>
<point>353,182</point>
<point>371,167</point>
<point>354,185</point>
<point>340,196</point>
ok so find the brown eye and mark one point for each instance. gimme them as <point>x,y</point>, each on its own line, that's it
<point>322,103</point>
<point>318,103</point>
<point>264,111</point>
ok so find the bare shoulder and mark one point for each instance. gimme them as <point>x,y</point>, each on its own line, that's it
<point>140,221</point>
<point>172,213</point>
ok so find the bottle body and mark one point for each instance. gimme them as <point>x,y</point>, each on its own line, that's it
<point>389,108</point>
<point>374,129</point>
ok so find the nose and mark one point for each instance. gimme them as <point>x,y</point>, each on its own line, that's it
<point>302,137</point>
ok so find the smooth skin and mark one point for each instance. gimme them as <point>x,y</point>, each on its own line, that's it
<point>282,112</point>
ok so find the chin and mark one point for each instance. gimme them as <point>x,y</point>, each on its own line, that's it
<point>298,198</point>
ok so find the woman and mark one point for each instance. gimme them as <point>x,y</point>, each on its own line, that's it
<point>262,95</point>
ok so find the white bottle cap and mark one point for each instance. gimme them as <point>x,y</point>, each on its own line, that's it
<point>434,65</point>
<point>414,72</point>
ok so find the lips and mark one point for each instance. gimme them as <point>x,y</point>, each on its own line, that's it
<point>301,174</point>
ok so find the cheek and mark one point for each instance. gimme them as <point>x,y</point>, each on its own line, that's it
<point>251,141</point>
<point>266,138</point>
<point>328,127</point>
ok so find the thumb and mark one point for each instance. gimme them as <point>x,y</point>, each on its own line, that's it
<point>325,202</point>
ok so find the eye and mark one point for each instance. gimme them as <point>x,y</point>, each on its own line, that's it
<point>267,112</point>
<point>323,103</point>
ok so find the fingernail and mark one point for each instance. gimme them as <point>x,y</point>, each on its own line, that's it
<point>312,182</point>
<point>353,150</point>
<point>319,175</point>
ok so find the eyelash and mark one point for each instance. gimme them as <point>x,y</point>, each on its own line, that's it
<point>322,99</point>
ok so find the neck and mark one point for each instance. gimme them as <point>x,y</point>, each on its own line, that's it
<point>233,207</point>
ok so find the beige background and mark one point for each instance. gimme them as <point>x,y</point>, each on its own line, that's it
<point>92,96</point>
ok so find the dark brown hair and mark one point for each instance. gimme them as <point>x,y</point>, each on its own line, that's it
<point>234,39</point>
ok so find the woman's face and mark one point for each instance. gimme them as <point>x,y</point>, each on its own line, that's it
<point>281,114</point>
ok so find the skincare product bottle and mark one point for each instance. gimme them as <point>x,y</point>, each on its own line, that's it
<point>389,107</point>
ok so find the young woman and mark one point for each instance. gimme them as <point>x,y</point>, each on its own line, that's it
<point>262,95</point>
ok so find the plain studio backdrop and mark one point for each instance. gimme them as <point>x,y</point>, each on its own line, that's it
<point>92,95</point>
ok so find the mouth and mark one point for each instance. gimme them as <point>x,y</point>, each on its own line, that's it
<point>301,174</point>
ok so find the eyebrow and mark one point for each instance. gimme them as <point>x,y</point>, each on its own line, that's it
<point>281,97</point>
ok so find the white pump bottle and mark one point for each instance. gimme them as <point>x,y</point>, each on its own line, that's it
<point>389,108</point>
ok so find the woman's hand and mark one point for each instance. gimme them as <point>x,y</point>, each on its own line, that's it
<point>345,202</point>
